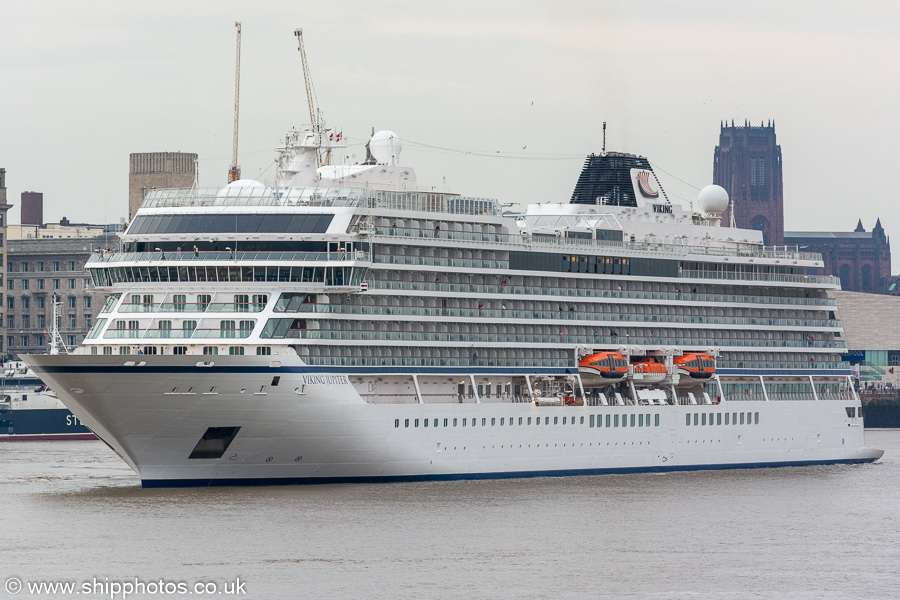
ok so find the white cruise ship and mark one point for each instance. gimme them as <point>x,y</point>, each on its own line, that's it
<point>348,325</point>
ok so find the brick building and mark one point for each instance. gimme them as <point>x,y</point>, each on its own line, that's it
<point>32,208</point>
<point>148,170</point>
<point>862,259</point>
<point>748,165</point>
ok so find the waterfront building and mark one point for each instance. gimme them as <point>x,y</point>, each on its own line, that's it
<point>748,164</point>
<point>39,270</point>
<point>149,170</point>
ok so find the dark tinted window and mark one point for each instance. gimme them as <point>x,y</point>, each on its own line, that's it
<point>241,223</point>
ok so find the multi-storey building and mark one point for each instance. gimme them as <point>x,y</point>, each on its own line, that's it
<point>32,208</point>
<point>40,270</point>
<point>149,170</point>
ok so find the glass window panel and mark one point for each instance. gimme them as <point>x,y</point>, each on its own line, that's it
<point>296,224</point>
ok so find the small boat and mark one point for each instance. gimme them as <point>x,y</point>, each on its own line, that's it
<point>646,371</point>
<point>696,365</point>
<point>610,366</point>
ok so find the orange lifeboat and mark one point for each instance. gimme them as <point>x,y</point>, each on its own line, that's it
<point>611,366</point>
<point>696,365</point>
<point>647,371</point>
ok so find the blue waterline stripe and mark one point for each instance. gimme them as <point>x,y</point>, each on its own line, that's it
<point>162,483</point>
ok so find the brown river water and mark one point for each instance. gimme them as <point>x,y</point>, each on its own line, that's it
<point>72,512</point>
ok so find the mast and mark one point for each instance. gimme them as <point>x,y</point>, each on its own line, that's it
<point>56,341</point>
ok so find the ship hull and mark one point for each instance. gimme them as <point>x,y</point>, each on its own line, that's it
<point>312,426</point>
<point>42,424</point>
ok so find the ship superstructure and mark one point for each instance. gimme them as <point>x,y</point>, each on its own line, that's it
<point>348,324</point>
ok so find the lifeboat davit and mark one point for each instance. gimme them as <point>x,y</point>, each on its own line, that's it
<point>696,365</point>
<point>610,366</point>
<point>647,371</point>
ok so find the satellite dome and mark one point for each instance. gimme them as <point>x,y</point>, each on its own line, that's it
<point>713,199</point>
<point>245,183</point>
<point>385,147</point>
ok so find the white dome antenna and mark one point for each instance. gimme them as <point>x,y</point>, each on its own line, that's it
<point>385,147</point>
<point>713,200</point>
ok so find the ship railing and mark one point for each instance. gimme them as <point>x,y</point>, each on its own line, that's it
<point>790,397</point>
<point>241,307</point>
<point>569,292</point>
<point>177,334</point>
<point>555,314</point>
<point>390,398</point>
<point>525,240</point>
<point>400,361</point>
<point>549,338</point>
<point>448,399</point>
<point>505,399</point>
<point>836,395</point>
<point>465,263</point>
<point>243,256</point>
<point>779,277</point>
<point>413,200</point>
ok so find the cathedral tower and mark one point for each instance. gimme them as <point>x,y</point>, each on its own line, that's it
<point>748,165</point>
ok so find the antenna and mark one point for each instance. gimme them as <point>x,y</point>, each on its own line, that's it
<point>56,341</point>
<point>604,136</point>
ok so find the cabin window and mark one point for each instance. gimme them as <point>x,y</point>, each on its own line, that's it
<point>582,421</point>
<point>556,420</point>
<point>703,419</point>
<point>564,420</point>
<point>417,423</point>
<point>396,423</point>
<point>454,421</point>
<point>640,420</point>
<point>425,422</point>
<point>756,418</point>
<point>592,421</point>
<point>687,419</point>
<point>616,421</point>
<point>656,420</point>
<point>493,421</point>
<point>520,420</point>
<point>445,422</point>
<point>607,420</point>
<point>718,418</point>
<point>529,420</point>
<point>726,418</point>
<point>742,418</point>
<point>406,422</point>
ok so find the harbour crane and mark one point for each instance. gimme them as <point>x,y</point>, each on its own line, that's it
<point>314,120</point>
<point>234,172</point>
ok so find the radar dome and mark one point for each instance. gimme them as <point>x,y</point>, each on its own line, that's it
<point>245,183</point>
<point>713,199</point>
<point>385,147</point>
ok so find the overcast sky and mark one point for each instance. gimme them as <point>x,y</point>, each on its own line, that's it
<point>82,85</point>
